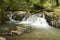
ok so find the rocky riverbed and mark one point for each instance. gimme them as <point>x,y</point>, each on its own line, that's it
<point>13,29</point>
<point>34,34</point>
<point>38,34</point>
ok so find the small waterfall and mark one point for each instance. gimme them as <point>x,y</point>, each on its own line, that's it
<point>12,19</point>
<point>36,21</point>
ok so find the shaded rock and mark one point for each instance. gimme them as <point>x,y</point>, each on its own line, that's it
<point>53,18</point>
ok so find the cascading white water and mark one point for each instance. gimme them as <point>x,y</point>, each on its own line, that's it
<point>36,21</point>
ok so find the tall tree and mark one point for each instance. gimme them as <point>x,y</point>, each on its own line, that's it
<point>4,7</point>
<point>57,2</point>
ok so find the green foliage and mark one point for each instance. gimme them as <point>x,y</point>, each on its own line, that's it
<point>4,5</point>
<point>26,5</point>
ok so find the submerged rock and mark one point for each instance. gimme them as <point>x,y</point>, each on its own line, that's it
<point>17,31</point>
<point>22,29</point>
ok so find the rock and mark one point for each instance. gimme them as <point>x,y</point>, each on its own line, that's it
<point>2,38</point>
<point>53,18</point>
<point>20,30</point>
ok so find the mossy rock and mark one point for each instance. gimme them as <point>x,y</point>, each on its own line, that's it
<point>2,38</point>
<point>53,18</point>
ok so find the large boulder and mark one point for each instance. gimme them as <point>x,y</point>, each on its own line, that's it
<point>53,18</point>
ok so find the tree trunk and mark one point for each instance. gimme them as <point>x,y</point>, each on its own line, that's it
<point>1,2</point>
<point>57,3</point>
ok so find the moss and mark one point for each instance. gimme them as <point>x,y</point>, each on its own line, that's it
<point>55,17</point>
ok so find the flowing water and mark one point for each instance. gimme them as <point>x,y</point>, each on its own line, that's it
<point>36,20</point>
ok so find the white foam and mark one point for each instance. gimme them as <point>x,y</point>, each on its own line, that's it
<point>35,21</point>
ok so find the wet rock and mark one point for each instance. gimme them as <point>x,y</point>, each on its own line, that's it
<point>21,30</point>
<point>53,19</point>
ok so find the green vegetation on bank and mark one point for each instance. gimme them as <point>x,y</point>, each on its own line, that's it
<point>6,5</point>
<point>28,4</point>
